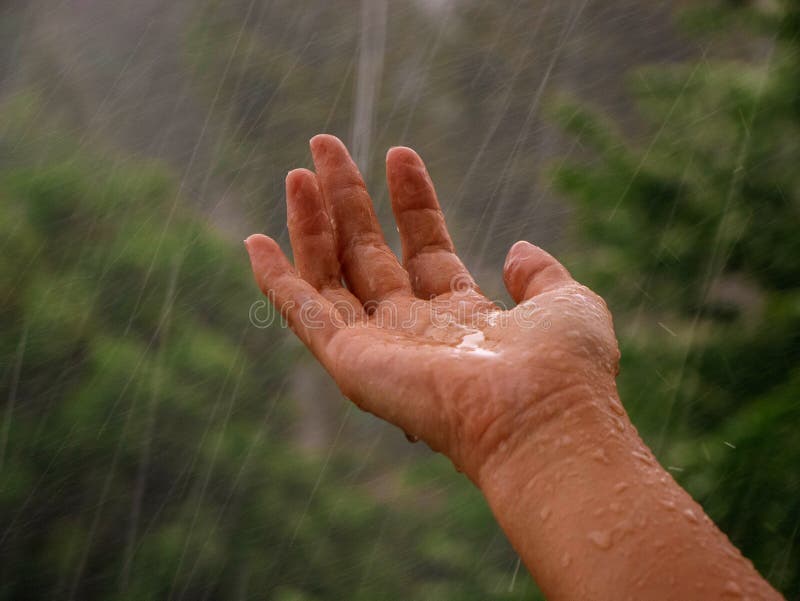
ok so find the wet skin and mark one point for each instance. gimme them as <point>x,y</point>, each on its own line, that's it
<point>523,401</point>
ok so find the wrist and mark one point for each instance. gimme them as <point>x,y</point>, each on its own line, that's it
<point>554,430</point>
<point>582,491</point>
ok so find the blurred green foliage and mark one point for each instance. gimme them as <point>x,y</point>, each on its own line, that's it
<point>694,240</point>
<point>146,444</point>
<point>143,450</point>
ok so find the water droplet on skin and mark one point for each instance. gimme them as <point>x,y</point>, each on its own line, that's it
<point>471,342</point>
<point>643,457</point>
<point>411,437</point>
<point>731,588</point>
<point>690,515</point>
<point>624,527</point>
<point>667,504</point>
<point>616,406</point>
<point>544,513</point>
<point>565,560</point>
<point>600,456</point>
<point>600,538</point>
<point>620,486</point>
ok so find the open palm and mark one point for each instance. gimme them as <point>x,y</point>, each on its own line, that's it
<point>418,344</point>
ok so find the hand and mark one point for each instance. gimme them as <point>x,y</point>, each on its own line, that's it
<point>418,344</point>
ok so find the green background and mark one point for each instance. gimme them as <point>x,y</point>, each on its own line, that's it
<point>158,442</point>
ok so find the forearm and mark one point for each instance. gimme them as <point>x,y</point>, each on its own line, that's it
<point>594,516</point>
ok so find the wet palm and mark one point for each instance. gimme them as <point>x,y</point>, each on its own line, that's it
<point>418,344</point>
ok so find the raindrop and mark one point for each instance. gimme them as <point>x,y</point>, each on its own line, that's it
<point>731,588</point>
<point>620,486</point>
<point>600,456</point>
<point>616,406</point>
<point>544,513</point>
<point>565,560</point>
<point>667,504</point>
<point>600,538</point>
<point>690,515</point>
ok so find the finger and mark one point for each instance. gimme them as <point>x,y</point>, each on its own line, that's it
<point>428,252</point>
<point>370,268</point>
<point>529,271</point>
<point>310,316</point>
<point>311,231</point>
<point>313,242</point>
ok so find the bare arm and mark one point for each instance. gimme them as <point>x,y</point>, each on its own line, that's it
<point>522,400</point>
<point>594,516</point>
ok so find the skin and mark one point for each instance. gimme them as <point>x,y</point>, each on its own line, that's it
<point>523,401</point>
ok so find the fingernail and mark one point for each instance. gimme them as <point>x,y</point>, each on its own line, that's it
<point>318,147</point>
<point>294,180</point>
<point>408,156</point>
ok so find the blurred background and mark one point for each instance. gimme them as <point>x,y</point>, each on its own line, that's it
<point>157,441</point>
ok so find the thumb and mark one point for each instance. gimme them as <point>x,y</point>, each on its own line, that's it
<point>529,271</point>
